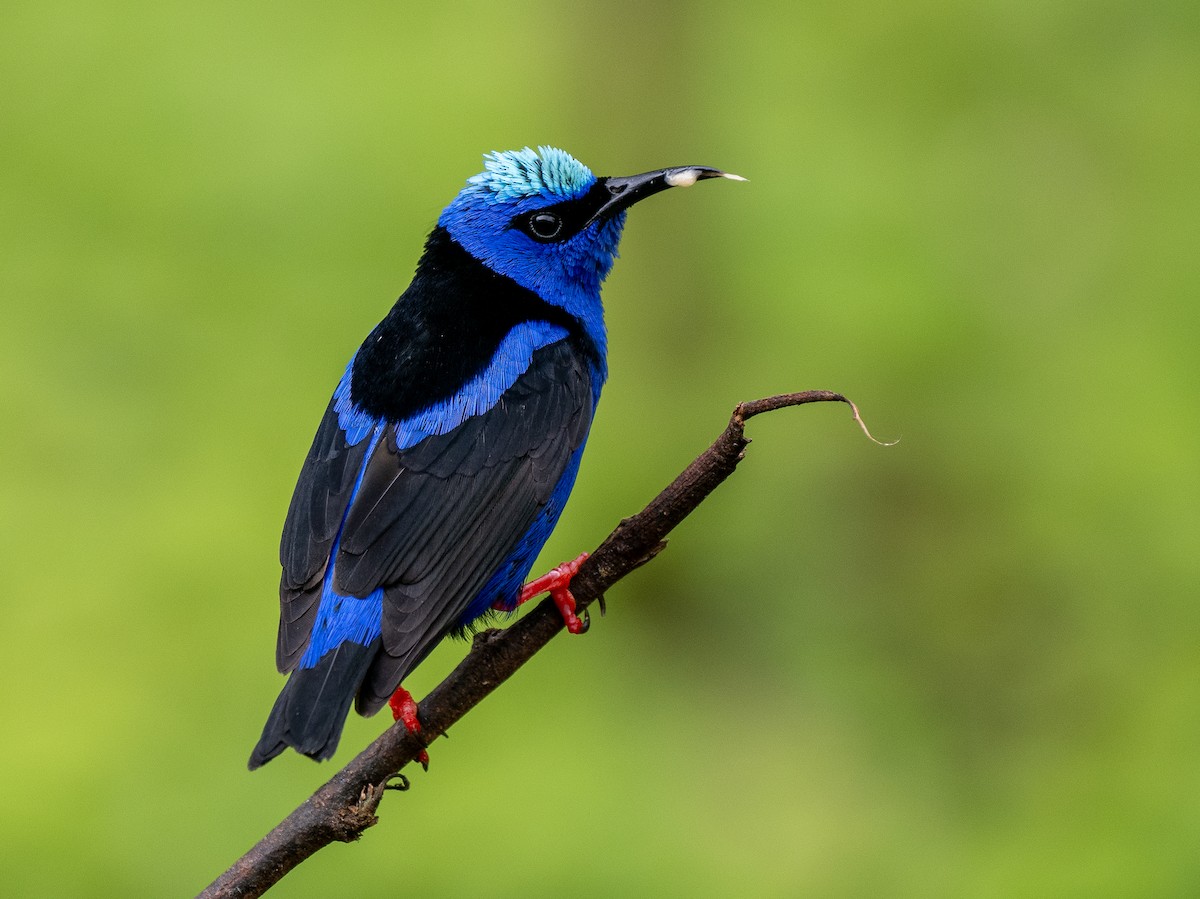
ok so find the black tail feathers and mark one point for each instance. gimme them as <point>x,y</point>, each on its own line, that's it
<point>311,711</point>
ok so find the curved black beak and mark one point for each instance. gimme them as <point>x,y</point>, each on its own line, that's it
<point>624,192</point>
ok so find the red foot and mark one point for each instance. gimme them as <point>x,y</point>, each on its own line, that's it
<point>404,708</point>
<point>558,584</point>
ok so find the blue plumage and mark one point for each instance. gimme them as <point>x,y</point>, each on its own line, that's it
<point>452,441</point>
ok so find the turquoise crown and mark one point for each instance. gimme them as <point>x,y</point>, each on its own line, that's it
<point>516,174</point>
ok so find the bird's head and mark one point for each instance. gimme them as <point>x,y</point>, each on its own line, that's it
<point>543,219</point>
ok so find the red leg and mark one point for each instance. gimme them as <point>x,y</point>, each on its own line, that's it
<point>404,708</point>
<point>558,584</point>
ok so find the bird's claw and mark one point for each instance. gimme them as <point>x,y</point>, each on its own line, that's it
<point>566,607</point>
<point>404,708</point>
<point>558,584</point>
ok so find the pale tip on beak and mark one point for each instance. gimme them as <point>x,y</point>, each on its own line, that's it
<point>688,177</point>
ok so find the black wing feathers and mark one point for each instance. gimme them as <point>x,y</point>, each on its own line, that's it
<point>463,502</point>
<point>314,515</point>
<point>431,523</point>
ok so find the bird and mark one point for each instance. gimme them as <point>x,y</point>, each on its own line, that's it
<point>451,443</point>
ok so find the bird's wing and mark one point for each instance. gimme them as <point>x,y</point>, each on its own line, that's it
<point>433,522</point>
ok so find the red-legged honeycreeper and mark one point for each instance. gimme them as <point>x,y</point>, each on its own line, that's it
<point>451,442</point>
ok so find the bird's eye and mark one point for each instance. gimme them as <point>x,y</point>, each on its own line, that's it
<point>545,226</point>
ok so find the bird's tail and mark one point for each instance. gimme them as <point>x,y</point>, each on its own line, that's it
<point>311,710</point>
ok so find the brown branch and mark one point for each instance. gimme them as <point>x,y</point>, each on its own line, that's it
<point>345,807</point>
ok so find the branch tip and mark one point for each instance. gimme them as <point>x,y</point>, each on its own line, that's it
<point>862,424</point>
<point>782,401</point>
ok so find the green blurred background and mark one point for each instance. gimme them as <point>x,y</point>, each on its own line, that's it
<point>966,665</point>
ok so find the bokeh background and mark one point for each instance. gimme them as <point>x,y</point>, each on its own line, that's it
<point>966,665</point>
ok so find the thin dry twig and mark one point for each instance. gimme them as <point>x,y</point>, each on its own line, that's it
<point>346,806</point>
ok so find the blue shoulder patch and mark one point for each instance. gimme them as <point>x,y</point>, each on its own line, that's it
<point>357,424</point>
<point>475,397</point>
<point>483,391</point>
<point>515,174</point>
